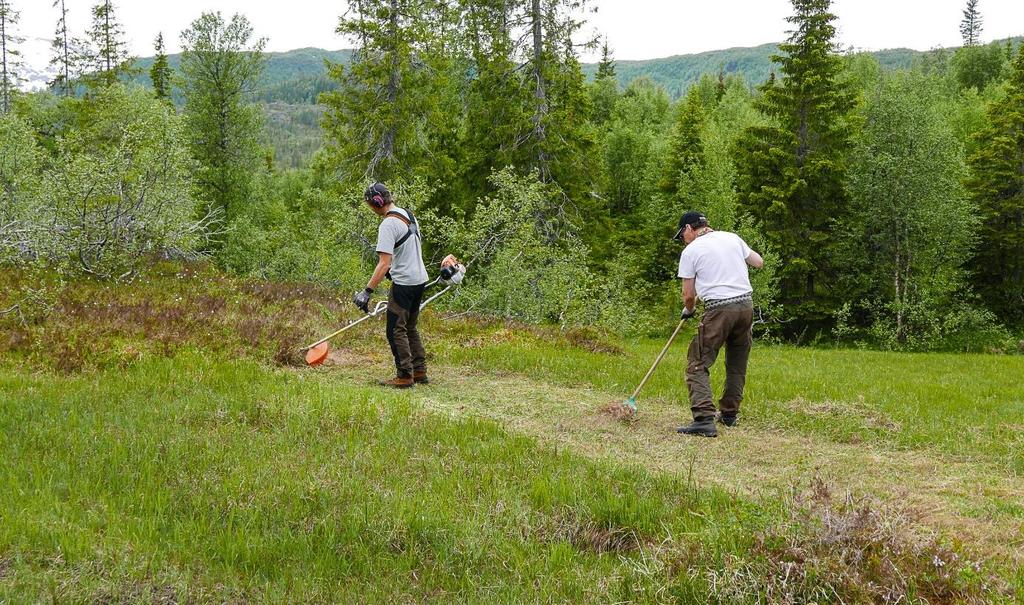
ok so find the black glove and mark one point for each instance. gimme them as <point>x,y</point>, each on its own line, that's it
<point>362,300</point>
<point>687,314</point>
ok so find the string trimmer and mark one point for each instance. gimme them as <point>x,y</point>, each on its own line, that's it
<point>631,402</point>
<point>317,352</point>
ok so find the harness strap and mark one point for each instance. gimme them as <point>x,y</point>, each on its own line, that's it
<point>409,222</point>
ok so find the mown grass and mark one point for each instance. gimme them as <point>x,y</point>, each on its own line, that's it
<point>968,406</point>
<point>155,451</point>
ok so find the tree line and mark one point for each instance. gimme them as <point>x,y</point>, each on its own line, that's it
<point>890,204</point>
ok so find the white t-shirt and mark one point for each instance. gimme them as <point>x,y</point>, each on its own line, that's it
<point>719,262</point>
<point>407,263</point>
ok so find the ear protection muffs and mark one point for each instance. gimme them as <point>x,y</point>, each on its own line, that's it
<point>375,197</point>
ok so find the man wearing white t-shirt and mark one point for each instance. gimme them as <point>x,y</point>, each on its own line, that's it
<point>713,267</point>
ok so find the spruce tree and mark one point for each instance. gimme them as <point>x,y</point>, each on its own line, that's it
<point>375,120</point>
<point>160,72</point>
<point>606,68</point>
<point>527,105</point>
<point>720,86</point>
<point>496,101</point>
<point>970,27</point>
<point>686,147</point>
<point>64,57</point>
<point>604,91</point>
<point>220,66</point>
<point>997,186</point>
<point>10,56</point>
<point>108,50</point>
<point>792,174</point>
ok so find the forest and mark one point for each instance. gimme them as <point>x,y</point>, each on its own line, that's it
<point>886,190</point>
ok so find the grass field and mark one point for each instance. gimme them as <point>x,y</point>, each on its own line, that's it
<point>158,451</point>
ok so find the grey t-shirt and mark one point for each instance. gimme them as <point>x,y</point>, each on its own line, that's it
<point>407,267</point>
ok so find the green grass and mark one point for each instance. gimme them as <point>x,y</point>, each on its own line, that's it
<point>231,480</point>
<point>158,447</point>
<point>968,406</point>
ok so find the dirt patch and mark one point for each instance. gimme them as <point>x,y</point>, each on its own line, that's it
<point>346,358</point>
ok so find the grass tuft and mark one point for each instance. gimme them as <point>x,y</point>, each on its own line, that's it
<point>857,551</point>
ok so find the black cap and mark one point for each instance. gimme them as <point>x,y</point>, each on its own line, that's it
<point>693,219</point>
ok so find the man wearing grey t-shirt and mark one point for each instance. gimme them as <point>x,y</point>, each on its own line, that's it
<point>400,258</point>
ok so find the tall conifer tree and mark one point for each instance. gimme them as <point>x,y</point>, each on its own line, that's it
<point>10,55</point>
<point>686,147</point>
<point>997,184</point>
<point>970,27</point>
<point>375,121</point>
<point>108,51</point>
<point>792,175</point>
<point>220,65</point>
<point>160,72</point>
<point>528,83</point>
<point>63,57</point>
<point>606,68</point>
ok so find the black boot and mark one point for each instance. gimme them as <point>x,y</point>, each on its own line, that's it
<point>704,427</point>
<point>727,420</point>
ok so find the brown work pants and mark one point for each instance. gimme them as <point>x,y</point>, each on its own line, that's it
<point>728,325</point>
<point>404,338</point>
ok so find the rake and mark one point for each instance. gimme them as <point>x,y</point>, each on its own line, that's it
<point>631,402</point>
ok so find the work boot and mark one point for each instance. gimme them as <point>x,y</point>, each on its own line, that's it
<point>420,378</point>
<point>397,383</point>
<point>704,427</point>
<point>727,419</point>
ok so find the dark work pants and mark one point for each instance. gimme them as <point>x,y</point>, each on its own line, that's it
<point>727,326</point>
<point>403,311</point>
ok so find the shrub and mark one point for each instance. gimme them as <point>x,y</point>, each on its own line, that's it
<point>120,188</point>
<point>527,260</point>
<point>20,159</point>
<point>312,234</point>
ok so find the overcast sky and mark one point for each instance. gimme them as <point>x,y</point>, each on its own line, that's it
<point>636,29</point>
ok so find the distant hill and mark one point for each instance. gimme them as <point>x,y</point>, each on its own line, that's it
<point>298,76</point>
<point>293,80</point>
<point>754,63</point>
<point>679,72</point>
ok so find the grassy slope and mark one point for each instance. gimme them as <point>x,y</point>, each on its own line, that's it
<point>213,476</point>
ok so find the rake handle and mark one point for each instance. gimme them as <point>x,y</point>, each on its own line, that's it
<point>659,358</point>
